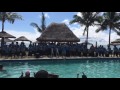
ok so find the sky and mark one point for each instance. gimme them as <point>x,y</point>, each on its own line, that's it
<point>23,28</point>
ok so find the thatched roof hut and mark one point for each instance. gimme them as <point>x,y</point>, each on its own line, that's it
<point>22,38</point>
<point>58,33</point>
<point>6,35</point>
<point>116,42</point>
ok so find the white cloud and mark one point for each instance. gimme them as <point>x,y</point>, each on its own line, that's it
<point>101,37</point>
<point>79,14</point>
<point>30,35</point>
<point>66,21</point>
<point>46,15</point>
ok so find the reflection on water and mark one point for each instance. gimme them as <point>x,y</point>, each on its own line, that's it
<point>65,69</point>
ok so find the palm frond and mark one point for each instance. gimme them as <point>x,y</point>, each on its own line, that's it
<point>11,17</point>
<point>36,26</point>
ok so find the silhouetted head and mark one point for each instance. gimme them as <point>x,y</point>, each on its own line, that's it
<point>16,42</point>
<point>27,74</point>
<point>41,74</point>
<point>84,76</point>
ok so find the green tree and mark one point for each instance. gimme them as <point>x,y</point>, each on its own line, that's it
<point>10,17</point>
<point>110,21</point>
<point>87,19</point>
<point>42,27</point>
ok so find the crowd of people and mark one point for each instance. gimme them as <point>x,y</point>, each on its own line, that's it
<point>57,50</point>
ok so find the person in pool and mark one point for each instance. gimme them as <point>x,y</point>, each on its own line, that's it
<point>84,76</point>
<point>1,67</point>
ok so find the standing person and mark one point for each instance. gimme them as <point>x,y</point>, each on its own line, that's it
<point>92,50</point>
<point>85,51</point>
<point>109,50</point>
<point>106,52</point>
<point>64,51</point>
<point>100,50</point>
<point>119,52</point>
<point>57,52</point>
<point>17,51</point>
<point>79,50</point>
<point>12,50</point>
<point>96,52</point>
<point>52,52</point>
<point>115,49</point>
<point>30,50</point>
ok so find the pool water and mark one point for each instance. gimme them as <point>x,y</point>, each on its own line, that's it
<point>64,68</point>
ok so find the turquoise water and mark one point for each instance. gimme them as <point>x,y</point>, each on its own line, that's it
<point>65,69</point>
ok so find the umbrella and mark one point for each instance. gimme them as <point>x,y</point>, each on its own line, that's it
<point>6,35</point>
<point>3,35</point>
<point>22,38</point>
<point>116,42</point>
<point>7,40</point>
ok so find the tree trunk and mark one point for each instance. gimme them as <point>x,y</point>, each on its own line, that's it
<point>87,38</point>
<point>109,35</point>
<point>2,26</point>
<point>3,20</point>
<point>2,39</point>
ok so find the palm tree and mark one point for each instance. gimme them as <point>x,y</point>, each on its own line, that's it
<point>87,19</point>
<point>10,17</point>
<point>111,21</point>
<point>42,27</point>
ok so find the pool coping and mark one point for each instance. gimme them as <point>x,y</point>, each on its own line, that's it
<point>67,58</point>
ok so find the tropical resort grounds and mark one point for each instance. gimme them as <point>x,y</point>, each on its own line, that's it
<point>58,53</point>
<point>67,59</point>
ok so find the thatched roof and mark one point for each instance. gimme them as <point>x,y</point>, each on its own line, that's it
<point>116,42</point>
<point>6,35</point>
<point>22,38</point>
<point>58,33</point>
<point>7,40</point>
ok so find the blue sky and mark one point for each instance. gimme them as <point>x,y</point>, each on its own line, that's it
<point>29,17</point>
<point>23,28</point>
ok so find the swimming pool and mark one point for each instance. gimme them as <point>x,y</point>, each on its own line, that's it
<point>64,68</point>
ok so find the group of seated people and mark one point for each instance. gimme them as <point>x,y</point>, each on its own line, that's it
<point>57,50</point>
<point>39,74</point>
